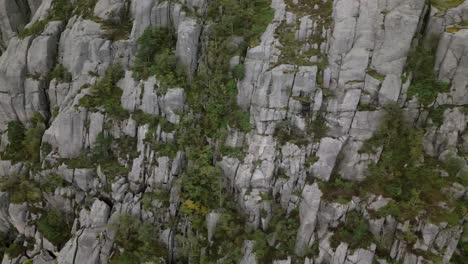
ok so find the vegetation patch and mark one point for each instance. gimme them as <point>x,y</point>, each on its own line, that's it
<point>61,74</point>
<point>279,241</point>
<point>318,126</point>
<point>425,85</point>
<point>55,226</point>
<point>19,246</point>
<point>104,154</point>
<point>156,56</point>
<point>201,187</point>
<point>24,144</point>
<point>404,174</point>
<point>233,152</point>
<point>355,232</point>
<point>105,94</point>
<point>292,50</point>
<point>137,242</point>
<point>446,4</point>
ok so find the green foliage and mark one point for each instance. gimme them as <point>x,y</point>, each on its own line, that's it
<point>278,242</point>
<point>52,182</point>
<point>232,152</point>
<point>60,73</point>
<point>355,232</point>
<point>19,246</point>
<point>292,51</point>
<point>21,189</point>
<point>239,119</point>
<point>453,164</point>
<point>85,8</point>
<point>56,226</point>
<point>228,238</point>
<point>446,4</point>
<point>155,56</point>
<point>33,139</point>
<point>338,190</point>
<point>201,183</point>
<point>240,18</point>
<point>6,239</point>
<point>61,10</point>
<point>137,242</point>
<point>238,72</point>
<point>211,97</point>
<point>318,126</point>
<point>105,155</point>
<point>16,134</point>
<point>160,195</point>
<point>34,30</point>
<point>25,143</point>
<point>404,174</point>
<point>105,94</point>
<point>425,85</point>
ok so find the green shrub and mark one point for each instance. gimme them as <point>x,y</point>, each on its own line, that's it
<point>17,248</point>
<point>233,152</point>
<point>33,139</point>
<point>21,189</point>
<point>52,182</point>
<point>242,18</point>
<point>61,10</point>
<point>25,144</point>
<point>355,232</point>
<point>105,94</point>
<point>404,174</point>
<point>55,226</point>
<point>155,56</point>
<point>60,73</point>
<point>104,154</point>
<point>453,165</point>
<point>16,134</point>
<point>318,127</point>
<point>137,242</point>
<point>160,195</point>
<point>437,114</point>
<point>339,190</point>
<point>238,72</point>
<point>278,242</point>
<point>240,120</point>
<point>84,8</point>
<point>34,30</point>
<point>425,85</point>
<point>201,183</point>
<point>6,239</point>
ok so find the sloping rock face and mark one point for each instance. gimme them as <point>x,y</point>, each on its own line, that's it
<point>197,131</point>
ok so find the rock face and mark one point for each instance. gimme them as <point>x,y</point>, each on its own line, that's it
<point>254,137</point>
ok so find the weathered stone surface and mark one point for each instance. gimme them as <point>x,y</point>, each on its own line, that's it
<point>308,217</point>
<point>188,35</point>
<point>327,153</point>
